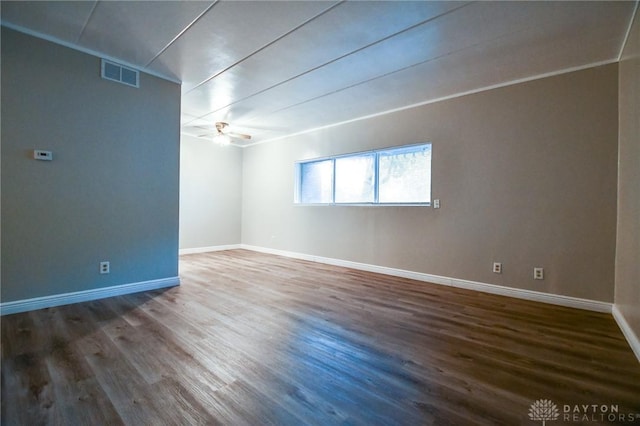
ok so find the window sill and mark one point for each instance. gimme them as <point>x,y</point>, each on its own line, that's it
<point>362,204</point>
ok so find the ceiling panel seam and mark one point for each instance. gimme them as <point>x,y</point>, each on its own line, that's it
<point>184,30</point>
<point>628,33</point>
<point>266,45</point>
<point>86,23</point>
<point>440,99</point>
<point>359,83</point>
<point>332,92</point>
<point>353,52</point>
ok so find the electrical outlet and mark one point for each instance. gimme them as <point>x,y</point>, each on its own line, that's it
<point>436,203</point>
<point>39,154</point>
<point>105,267</point>
<point>497,267</point>
<point>538,273</point>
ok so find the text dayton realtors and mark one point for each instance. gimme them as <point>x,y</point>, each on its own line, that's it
<point>596,412</point>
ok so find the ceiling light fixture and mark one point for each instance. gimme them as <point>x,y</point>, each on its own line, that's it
<point>222,139</point>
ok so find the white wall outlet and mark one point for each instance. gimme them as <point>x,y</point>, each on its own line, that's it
<point>105,268</point>
<point>538,273</point>
<point>436,203</point>
<point>39,154</point>
<point>497,267</point>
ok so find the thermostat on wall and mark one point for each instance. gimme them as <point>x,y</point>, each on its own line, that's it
<point>39,154</point>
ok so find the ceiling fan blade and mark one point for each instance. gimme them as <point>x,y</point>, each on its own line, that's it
<point>238,135</point>
<point>196,129</point>
<point>218,129</point>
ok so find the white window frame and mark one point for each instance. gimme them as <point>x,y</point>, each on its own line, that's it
<point>376,153</point>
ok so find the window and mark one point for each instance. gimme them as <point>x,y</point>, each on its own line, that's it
<point>405,175</point>
<point>355,179</point>
<point>316,182</point>
<point>389,176</point>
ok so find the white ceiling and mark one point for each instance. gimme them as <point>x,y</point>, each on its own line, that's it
<point>275,68</point>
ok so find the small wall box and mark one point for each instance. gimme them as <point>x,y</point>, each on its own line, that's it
<point>39,154</point>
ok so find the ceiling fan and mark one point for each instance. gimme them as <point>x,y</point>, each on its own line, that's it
<point>221,134</point>
<point>222,128</point>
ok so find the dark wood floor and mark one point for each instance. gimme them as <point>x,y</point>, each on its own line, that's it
<point>255,339</point>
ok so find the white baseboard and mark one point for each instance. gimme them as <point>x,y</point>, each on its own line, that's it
<point>537,296</point>
<point>85,295</point>
<point>628,332</point>
<point>208,249</point>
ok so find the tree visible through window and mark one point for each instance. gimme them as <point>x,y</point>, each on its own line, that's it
<point>391,176</point>
<point>405,175</point>
<point>355,179</point>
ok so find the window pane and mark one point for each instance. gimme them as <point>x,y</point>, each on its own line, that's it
<point>355,177</point>
<point>316,182</point>
<point>405,175</point>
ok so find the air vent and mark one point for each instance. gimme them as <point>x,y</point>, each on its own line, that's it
<point>120,73</point>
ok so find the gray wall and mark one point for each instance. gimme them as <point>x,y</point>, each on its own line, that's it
<point>627,287</point>
<point>526,175</point>
<point>210,193</point>
<point>111,192</point>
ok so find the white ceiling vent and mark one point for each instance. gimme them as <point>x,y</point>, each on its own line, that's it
<point>119,73</point>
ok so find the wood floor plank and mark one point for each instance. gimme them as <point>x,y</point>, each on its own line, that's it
<point>256,339</point>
